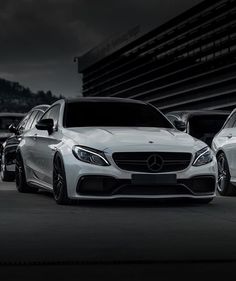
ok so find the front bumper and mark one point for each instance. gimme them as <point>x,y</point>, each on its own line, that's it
<point>85,181</point>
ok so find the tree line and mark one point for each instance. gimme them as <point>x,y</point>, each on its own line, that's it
<point>16,98</point>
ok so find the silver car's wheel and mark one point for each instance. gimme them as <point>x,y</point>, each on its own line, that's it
<point>224,186</point>
<point>21,183</point>
<point>59,182</point>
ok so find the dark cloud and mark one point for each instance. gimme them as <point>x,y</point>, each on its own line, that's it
<point>40,38</point>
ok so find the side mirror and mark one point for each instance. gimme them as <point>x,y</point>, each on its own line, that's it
<point>12,129</point>
<point>180,125</point>
<point>45,125</point>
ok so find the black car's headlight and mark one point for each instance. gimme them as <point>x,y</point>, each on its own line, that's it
<point>203,157</point>
<point>90,155</point>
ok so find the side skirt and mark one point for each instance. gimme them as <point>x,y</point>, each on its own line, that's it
<point>41,185</point>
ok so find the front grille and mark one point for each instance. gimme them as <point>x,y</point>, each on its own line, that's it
<point>152,162</point>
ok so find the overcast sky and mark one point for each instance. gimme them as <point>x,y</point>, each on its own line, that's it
<point>40,38</point>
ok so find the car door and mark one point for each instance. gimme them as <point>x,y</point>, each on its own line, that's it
<point>24,138</point>
<point>226,139</point>
<point>43,148</point>
<point>23,126</point>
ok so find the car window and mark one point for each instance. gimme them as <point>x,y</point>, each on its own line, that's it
<point>30,120</point>
<point>204,127</point>
<point>234,124</point>
<point>23,123</point>
<point>230,122</point>
<point>36,119</point>
<point>53,113</point>
<point>172,118</point>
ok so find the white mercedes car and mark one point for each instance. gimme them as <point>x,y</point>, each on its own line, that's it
<point>224,146</point>
<point>107,148</point>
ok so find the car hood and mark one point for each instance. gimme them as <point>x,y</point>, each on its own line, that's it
<point>133,139</point>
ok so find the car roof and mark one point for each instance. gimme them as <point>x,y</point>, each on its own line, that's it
<point>102,99</point>
<point>189,113</point>
<point>41,107</point>
<point>11,114</point>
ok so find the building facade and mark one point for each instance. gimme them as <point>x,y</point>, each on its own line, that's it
<point>186,63</point>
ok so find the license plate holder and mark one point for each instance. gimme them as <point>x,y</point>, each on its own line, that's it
<point>149,179</point>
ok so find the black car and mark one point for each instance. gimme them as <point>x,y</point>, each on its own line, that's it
<point>201,124</point>
<point>8,153</point>
<point>6,119</point>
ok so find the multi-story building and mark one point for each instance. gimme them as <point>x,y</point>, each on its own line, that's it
<point>186,63</point>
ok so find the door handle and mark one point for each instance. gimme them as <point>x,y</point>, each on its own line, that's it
<point>229,136</point>
<point>35,137</point>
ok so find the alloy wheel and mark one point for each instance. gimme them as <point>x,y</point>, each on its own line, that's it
<point>222,173</point>
<point>224,185</point>
<point>19,173</point>
<point>58,180</point>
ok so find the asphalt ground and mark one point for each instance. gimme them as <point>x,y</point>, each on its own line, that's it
<point>118,240</point>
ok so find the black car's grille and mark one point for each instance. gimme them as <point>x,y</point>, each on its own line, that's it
<point>2,139</point>
<point>152,162</point>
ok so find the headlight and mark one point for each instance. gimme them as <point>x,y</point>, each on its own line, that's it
<point>203,157</point>
<point>90,155</point>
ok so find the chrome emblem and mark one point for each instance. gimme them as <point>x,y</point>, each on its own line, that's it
<point>155,162</point>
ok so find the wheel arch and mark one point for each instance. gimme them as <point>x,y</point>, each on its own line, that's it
<point>219,152</point>
<point>62,199</point>
<point>59,154</point>
<point>19,154</point>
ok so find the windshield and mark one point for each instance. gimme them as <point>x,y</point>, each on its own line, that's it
<point>6,121</point>
<point>205,127</point>
<point>113,114</point>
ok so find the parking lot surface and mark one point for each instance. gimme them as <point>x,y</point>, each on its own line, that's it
<point>35,231</point>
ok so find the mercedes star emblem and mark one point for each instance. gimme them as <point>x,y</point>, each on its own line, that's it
<point>154,162</point>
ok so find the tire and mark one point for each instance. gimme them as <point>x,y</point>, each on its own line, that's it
<point>224,187</point>
<point>4,174</point>
<point>21,184</point>
<point>59,182</point>
<point>7,176</point>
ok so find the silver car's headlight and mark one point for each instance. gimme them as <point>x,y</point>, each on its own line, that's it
<point>90,155</point>
<point>203,157</point>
